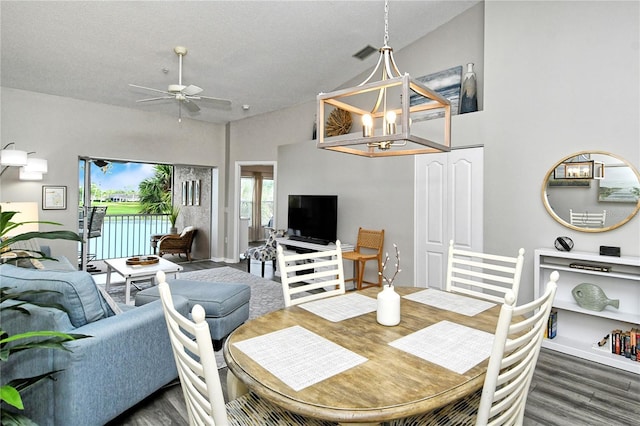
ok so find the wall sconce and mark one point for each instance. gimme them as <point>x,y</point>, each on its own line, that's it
<point>31,168</point>
<point>12,157</point>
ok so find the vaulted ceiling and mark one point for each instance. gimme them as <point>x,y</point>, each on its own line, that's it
<point>268,55</point>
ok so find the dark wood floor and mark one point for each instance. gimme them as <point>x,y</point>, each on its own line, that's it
<point>565,391</point>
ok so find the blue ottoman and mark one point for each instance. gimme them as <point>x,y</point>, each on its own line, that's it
<point>226,305</point>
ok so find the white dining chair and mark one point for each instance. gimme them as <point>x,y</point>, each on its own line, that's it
<point>310,276</point>
<point>587,219</point>
<point>516,346</point>
<point>197,369</point>
<point>483,275</point>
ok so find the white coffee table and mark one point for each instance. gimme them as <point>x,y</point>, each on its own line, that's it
<point>138,272</point>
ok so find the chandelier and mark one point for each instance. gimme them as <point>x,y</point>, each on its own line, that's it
<point>396,123</point>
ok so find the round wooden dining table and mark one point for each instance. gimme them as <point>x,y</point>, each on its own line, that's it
<point>391,384</point>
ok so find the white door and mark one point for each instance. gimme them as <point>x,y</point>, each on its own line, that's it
<point>449,201</point>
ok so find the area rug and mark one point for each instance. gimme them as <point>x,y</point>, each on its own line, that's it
<point>266,295</point>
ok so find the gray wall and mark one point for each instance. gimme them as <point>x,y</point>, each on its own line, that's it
<point>198,216</point>
<point>61,129</point>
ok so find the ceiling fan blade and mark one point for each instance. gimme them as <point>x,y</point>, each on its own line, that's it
<point>149,88</point>
<point>191,90</point>
<point>191,106</point>
<point>155,99</point>
<point>218,102</point>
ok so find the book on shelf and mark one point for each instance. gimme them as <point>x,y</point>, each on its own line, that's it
<point>552,325</point>
<point>626,343</point>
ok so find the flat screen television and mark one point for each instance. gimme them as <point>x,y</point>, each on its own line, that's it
<point>313,218</point>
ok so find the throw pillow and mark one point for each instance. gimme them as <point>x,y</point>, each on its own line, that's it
<point>76,291</point>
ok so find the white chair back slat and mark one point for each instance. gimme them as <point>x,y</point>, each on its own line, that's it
<point>587,219</point>
<point>483,275</point>
<point>311,276</point>
<point>195,361</point>
<point>515,351</point>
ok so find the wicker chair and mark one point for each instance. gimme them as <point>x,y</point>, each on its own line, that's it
<point>368,247</point>
<point>178,244</point>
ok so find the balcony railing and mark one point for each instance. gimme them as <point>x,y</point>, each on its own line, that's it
<point>127,235</point>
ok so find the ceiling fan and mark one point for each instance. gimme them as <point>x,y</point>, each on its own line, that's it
<point>181,93</point>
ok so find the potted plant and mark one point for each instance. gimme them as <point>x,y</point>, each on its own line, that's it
<point>11,344</point>
<point>173,216</point>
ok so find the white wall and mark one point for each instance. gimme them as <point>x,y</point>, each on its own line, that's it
<point>560,77</point>
<point>61,129</point>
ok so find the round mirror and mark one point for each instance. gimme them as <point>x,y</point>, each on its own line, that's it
<point>592,191</point>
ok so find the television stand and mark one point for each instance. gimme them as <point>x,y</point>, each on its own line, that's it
<point>309,240</point>
<point>290,242</point>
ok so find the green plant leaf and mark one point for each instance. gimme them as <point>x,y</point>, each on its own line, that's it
<point>11,396</point>
<point>15,419</point>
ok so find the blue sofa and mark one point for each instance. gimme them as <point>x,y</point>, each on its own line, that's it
<point>127,358</point>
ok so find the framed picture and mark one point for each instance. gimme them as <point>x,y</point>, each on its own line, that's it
<point>54,197</point>
<point>620,185</point>
<point>447,84</point>
<point>189,192</point>
<point>184,193</point>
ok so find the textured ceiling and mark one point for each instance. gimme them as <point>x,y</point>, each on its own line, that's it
<point>266,54</point>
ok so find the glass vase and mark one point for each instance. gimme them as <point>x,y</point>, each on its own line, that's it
<point>469,95</point>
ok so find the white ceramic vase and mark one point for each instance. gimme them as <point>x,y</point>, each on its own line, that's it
<point>388,306</point>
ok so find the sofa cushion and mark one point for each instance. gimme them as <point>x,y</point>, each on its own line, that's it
<point>78,293</point>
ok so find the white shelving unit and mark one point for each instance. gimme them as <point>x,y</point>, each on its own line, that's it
<point>580,329</point>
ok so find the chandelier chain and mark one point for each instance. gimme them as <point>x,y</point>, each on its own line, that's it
<point>386,22</point>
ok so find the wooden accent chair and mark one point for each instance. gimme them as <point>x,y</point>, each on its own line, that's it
<point>178,244</point>
<point>515,351</point>
<point>368,247</point>
<point>483,275</point>
<point>199,377</point>
<point>307,272</point>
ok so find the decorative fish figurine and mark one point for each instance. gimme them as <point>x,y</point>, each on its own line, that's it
<point>590,296</point>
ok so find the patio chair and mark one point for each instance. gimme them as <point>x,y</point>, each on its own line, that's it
<point>94,230</point>
<point>515,351</point>
<point>178,244</point>
<point>199,376</point>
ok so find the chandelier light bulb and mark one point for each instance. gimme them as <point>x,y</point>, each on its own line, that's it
<point>367,125</point>
<point>391,122</point>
